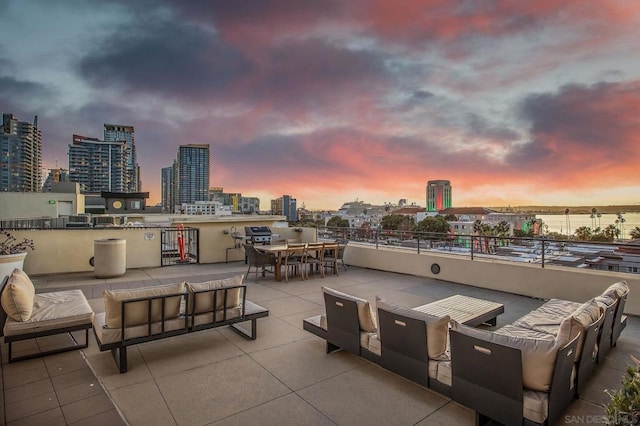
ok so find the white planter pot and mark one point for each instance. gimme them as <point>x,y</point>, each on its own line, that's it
<point>8,262</point>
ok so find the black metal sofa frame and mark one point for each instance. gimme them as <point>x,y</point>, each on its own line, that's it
<point>343,327</point>
<point>487,378</point>
<point>250,312</point>
<point>614,322</point>
<point>27,336</point>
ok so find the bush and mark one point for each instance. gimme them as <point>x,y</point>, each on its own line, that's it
<point>624,407</point>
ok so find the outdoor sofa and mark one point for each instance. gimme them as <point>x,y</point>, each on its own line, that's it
<point>134,316</point>
<point>527,371</point>
<point>410,343</point>
<point>25,315</point>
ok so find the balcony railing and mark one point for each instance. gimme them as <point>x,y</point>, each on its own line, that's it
<point>536,250</point>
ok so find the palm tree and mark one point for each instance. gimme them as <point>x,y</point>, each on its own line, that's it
<point>566,213</point>
<point>583,233</point>
<point>635,233</point>
<point>611,232</point>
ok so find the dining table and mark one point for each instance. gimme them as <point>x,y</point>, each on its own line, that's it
<point>278,250</point>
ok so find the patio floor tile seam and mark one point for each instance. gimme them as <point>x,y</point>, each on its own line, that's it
<point>104,388</point>
<point>449,401</point>
<point>269,402</point>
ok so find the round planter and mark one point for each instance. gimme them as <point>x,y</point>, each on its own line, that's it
<point>110,257</point>
<point>8,262</point>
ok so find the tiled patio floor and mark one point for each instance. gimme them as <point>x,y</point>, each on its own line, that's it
<point>282,378</point>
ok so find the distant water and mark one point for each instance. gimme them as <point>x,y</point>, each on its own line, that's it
<point>558,222</point>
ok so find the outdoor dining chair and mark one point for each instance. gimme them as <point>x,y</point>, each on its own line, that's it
<point>259,260</point>
<point>294,258</point>
<point>315,257</point>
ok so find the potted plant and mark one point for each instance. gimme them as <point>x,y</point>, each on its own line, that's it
<point>624,407</point>
<point>12,252</point>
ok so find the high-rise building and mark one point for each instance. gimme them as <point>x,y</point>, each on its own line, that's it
<point>98,165</point>
<point>55,175</point>
<point>193,173</point>
<point>286,206</point>
<point>126,134</point>
<point>438,195</point>
<point>20,155</point>
<point>168,198</point>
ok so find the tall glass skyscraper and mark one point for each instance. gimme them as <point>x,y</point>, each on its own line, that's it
<point>98,165</point>
<point>193,173</point>
<point>126,134</point>
<point>438,195</point>
<point>20,155</point>
<point>167,190</point>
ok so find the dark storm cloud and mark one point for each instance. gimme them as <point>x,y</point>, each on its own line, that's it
<point>175,59</point>
<point>313,71</point>
<point>478,126</point>
<point>13,88</point>
<point>600,119</point>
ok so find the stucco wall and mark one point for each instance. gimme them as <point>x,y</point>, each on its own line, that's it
<point>17,204</point>
<point>69,250</point>
<point>526,279</point>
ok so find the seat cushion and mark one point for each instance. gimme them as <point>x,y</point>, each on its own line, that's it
<point>437,327</point>
<point>535,405</point>
<point>617,290</point>
<point>136,313</point>
<point>51,311</point>
<point>374,345</point>
<point>444,372</point>
<point>18,296</point>
<point>366,317</point>
<point>204,301</point>
<point>538,355</point>
<point>106,335</point>
<point>548,317</point>
<point>365,337</point>
<point>515,331</point>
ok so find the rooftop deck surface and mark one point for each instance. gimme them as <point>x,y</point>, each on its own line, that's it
<point>282,378</point>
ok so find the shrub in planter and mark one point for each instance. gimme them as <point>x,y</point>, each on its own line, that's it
<point>624,407</point>
<point>10,245</point>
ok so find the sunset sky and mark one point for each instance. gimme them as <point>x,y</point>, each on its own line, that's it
<point>515,102</point>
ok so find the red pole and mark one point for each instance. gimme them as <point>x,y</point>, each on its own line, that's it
<point>180,242</point>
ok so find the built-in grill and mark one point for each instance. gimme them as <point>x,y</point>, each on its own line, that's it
<point>258,234</point>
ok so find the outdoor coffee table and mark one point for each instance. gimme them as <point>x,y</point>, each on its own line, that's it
<point>464,309</point>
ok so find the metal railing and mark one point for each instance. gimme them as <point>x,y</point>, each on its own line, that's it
<point>180,246</point>
<point>535,250</point>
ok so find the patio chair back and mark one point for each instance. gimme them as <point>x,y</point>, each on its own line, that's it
<point>258,259</point>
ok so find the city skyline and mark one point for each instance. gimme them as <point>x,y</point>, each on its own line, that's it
<point>513,103</point>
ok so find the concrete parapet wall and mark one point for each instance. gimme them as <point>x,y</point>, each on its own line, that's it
<point>526,279</point>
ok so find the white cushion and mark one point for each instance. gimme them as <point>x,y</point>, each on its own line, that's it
<point>535,406</point>
<point>137,312</point>
<point>444,372</point>
<point>51,311</point>
<point>107,335</point>
<point>617,290</point>
<point>18,295</point>
<point>548,317</point>
<point>366,317</point>
<point>374,345</point>
<point>437,327</point>
<point>204,301</point>
<point>365,336</point>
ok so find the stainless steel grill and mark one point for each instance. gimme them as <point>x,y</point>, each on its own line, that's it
<point>258,234</point>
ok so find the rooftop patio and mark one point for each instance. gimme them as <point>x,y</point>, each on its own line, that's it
<point>283,377</point>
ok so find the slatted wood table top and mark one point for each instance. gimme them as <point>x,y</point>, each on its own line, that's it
<point>464,309</point>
